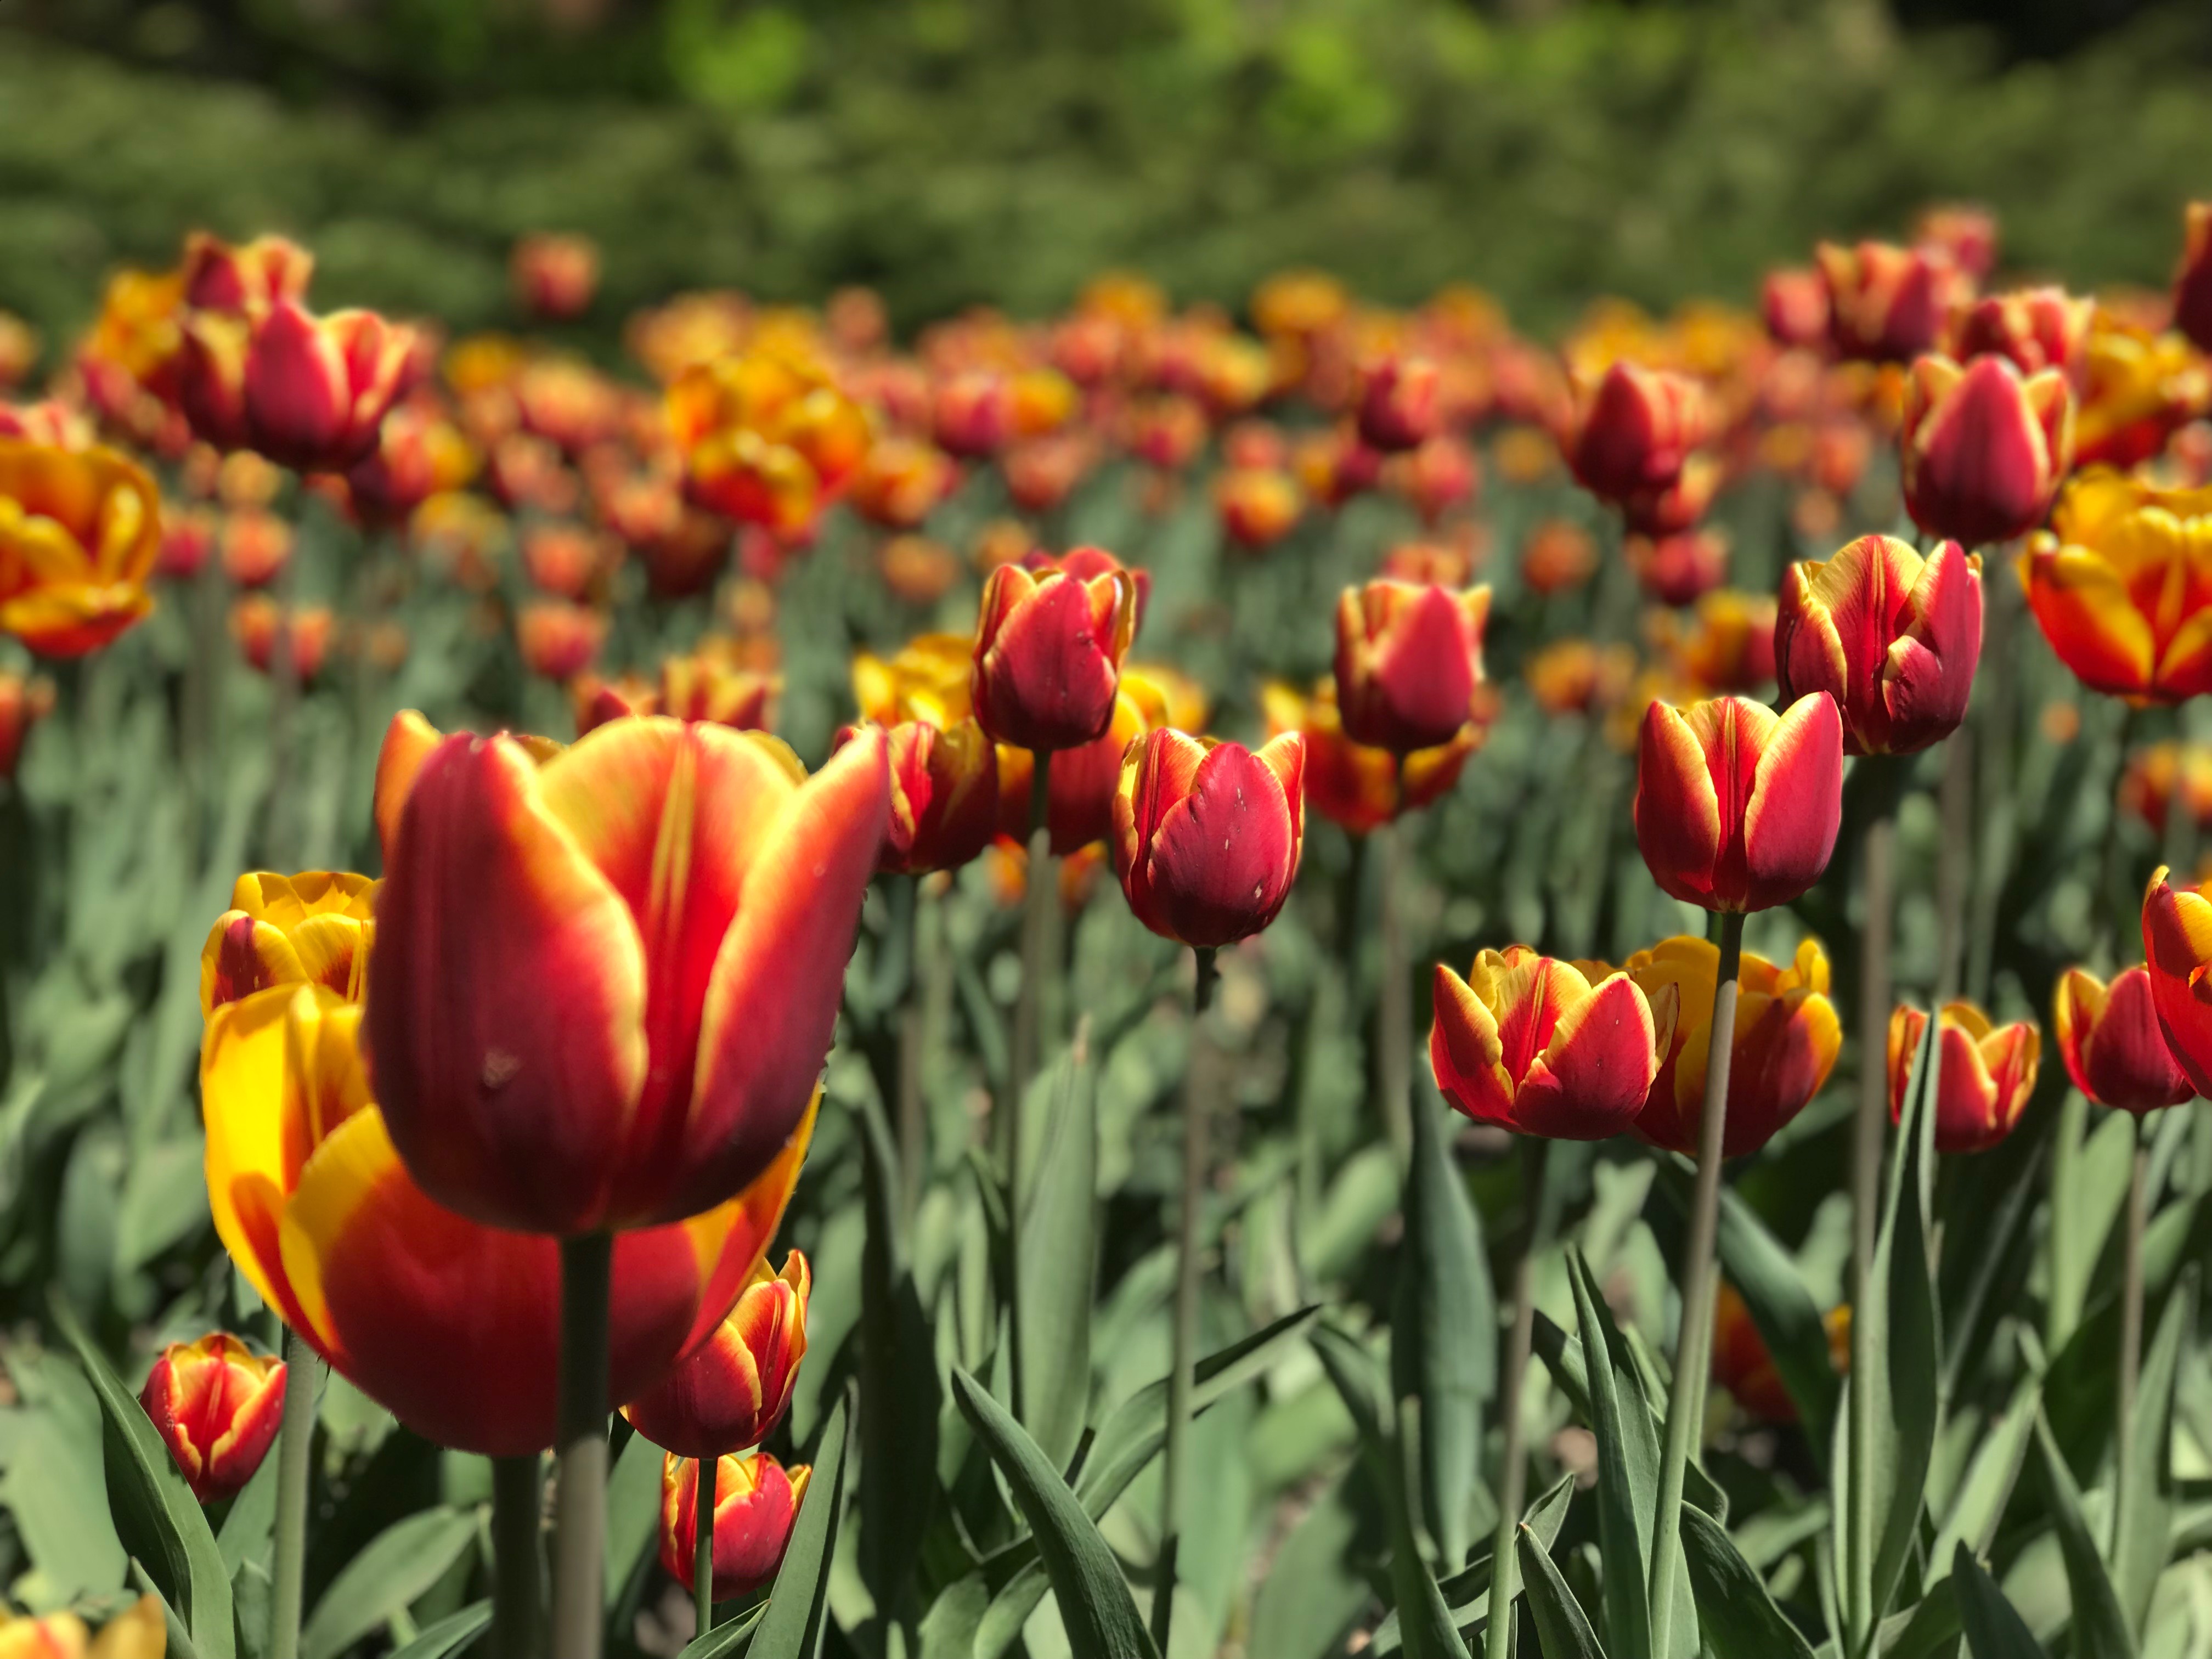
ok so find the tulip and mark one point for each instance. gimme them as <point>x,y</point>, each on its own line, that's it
<point>1353,786</point>
<point>1794,304</point>
<point>1675,570</point>
<point>1079,792</point>
<point>730,1393</point>
<point>1559,556</point>
<point>1578,676</point>
<point>1529,1044</point>
<point>259,625</point>
<point>139,1631</point>
<point>1047,655</point>
<point>1409,663</point>
<point>972,415</point>
<point>23,704</point>
<point>1894,639</point>
<point>256,546</point>
<point>1983,448</point>
<point>314,928</point>
<point>307,391</point>
<point>902,482</point>
<point>2176,925</point>
<point>708,686</point>
<point>554,276</point>
<point>2192,281</point>
<point>1677,505</point>
<point>1783,1047</point>
<point>2138,389</point>
<point>1743,1365</point>
<point>1398,404</point>
<point>2122,586</point>
<point>2110,1038</point>
<point>1633,433</point>
<point>944,803</point>
<point>1888,304</point>
<point>1727,644</point>
<point>49,422</point>
<point>216,1405</point>
<point>927,680</point>
<point>1737,807</point>
<point>1087,564</point>
<point>586,1011</point>
<point>80,531</point>
<point>563,559</point>
<point>1206,835</point>
<point>558,639</point>
<point>19,350</point>
<point>1259,505</point>
<point>218,277</point>
<point>754,1505</point>
<point>1985,1074</point>
<point>2036,328</point>
<point>1963,232</point>
<point>2168,776</point>
<point>452,1326</point>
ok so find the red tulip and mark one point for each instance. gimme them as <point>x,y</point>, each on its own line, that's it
<point>307,391</point>
<point>1634,431</point>
<point>1888,304</point>
<point>2176,925</point>
<point>604,987</point>
<point>2110,1040</point>
<point>755,1503</point>
<point>1984,1078</point>
<point>1206,835</point>
<point>1737,807</point>
<point>1795,303</point>
<point>1408,663</point>
<point>2035,328</point>
<point>1984,449</point>
<point>732,1391</point>
<point>945,796</point>
<point>1893,638</point>
<point>1048,652</point>
<point>1530,1044</point>
<point>1400,404</point>
<point>2192,281</point>
<point>554,276</point>
<point>216,1406</point>
<point>218,277</point>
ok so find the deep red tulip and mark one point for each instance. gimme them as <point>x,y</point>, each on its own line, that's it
<point>1737,807</point>
<point>2176,926</point>
<point>216,1406</point>
<point>1986,1073</point>
<point>2110,1040</point>
<point>755,1503</point>
<point>1984,450</point>
<point>2036,328</point>
<point>1048,650</point>
<point>1530,1044</point>
<point>1893,638</point>
<point>945,796</point>
<point>2192,281</point>
<point>734,1390</point>
<point>1888,304</point>
<point>1401,404</point>
<point>1408,663</point>
<point>307,391</point>
<point>218,277</point>
<point>1206,835</point>
<point>1633,433</point>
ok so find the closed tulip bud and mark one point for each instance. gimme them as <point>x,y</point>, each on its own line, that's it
<point>2192,281</point>
<point>1529,1044</point>
<point>1675,506</point>
<point>1963,232</point>
<point>2034,328</point>
<point>945,796</point>
<point>1676,570</point>
<point>188,537</point>
<point>1086,563</point>
<point>972,415</point>
<point>216,1405</point>
<point>1047,655</point>
<point>307,391</point>
<point>23,704</point>
<point>1401,403</point>
<point>1794,304</point>
<point>1985,1074</point>
<point>598,701</point>
<point>1206,835</point>
<point>558,639</point>
<point>218,277</point>
<point>1984,449</point>
<point>2122,586</point>
<point>2176,926</point>
<point>80,532</point>
<point>1888,304</point>
<point>1041,473</point>
<point>313,928</point>
<point>730,1393</point>
<point>566,1041</point>
<point>1784,1044</point>
<point>1737,807</point>
<point>1439,476</point>
<point>2111,1041</point>
<point>1258,505</point>
<point>1409,663</point>
<point>1742,1362</point>
<point>1632,434</point>
<point>563,559</point>
<point>755,1503</point>
<point>554,276</point>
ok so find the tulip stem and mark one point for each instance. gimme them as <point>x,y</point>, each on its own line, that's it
<point>1037,893</point>
<point>1182,1368</point>
<point>915,1045</point>
<point>1512,1469</point>
<point>1694,1339</point>
<point>1878,859</point>
<point>1955,802</point>
<point>1394,1011</point>
<point>2131,1321</point>
<point>580,1516</point>
<point>705,1493</point>
<point>518,1565</point>
<point>303,1377</point>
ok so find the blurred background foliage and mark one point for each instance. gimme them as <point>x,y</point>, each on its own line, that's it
<point>952,152</point>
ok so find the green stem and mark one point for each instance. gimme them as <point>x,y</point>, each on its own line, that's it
<point>303,1377</point>
<point>1697,1292</point>
<point>1955,802</point>
<point>2000,724</point>
<point>1512,1469</point>
<point>705,1493</point>
<point>1870,1123</point>
<point>1183,1371</point>
<point>1394,1008</point>
<point>518,1563</point>
<point>2131,1319</point>
<point>1040,891</point>
<point>581,1514</point>
<point>915,1044</point>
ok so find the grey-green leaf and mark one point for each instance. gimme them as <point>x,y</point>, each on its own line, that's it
<point>2145,1525</point>
<point>400,1564</point>
<point>1994,1630</point>
<point>1560,1625</point>
<point>899,1397</point>
<point>798,1602</point>
<point>1736,1616</point>
<point>2099,1627</point>
<point>449,1635</point>
<point>1058,1244</point>
<point>1620,1538</point>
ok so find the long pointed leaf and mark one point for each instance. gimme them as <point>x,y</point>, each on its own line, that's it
<point>1560,1625</point>
<point>1991,1477</point>
<point>798,1603</point>
<point>2144,1529</point>
<point>1057,1238</point>
<point>1620,1538</point>
<point>1788,1318</point>
<point>1467,1594</point>
<point>1994,1630</point>
<point>2099,1627</point>
<point>401,1563</point>
<point>1736,1616</point>
<point>899,1388</point>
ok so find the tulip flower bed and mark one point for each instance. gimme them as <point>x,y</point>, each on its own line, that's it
<point>770,1003</point>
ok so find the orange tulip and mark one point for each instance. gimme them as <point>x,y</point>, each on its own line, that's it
<point>23,704</point>
<point>2122,586</point>
<point>605,986</point>
<point>1531,1043</point>
<point>2110,1040</point>
<point>216,1406</point>
<point>1743,1365</point>
<point>80,531</point>
<point>2176,926</point>
<point>1985,1075</point>
<point>755,1503</point>
<point>734,1388</point>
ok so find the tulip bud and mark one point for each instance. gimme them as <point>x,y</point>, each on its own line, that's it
<point>1796,306</point>
<point>1352,785</point>
<point>256,546</point>
<point>1047,655</point>
<point>1633,433</point>
<point>1206,835</point>
<point>1400,404</point>
<point>554,276</point>
<point>1984,450</point>
<point>1676,570</point>
<point>973,414</point>
<point>1985,1074</point>
<point>558,639</point>
<point>755,1503</point>
<point>1527,1042</point>
<point>731,1392</point>
<point>1442,474</point>
<point>216,1406</point>
<point>1729,645</point>
<point>1893,638</point>
<point>1888,304</point>
<point>23,704</point>
<point>2192,281</point>
<point>1559,556</point>
<point>1408,663</point>
<point>2035,328</point>
<point>2110,1039</point>
<point>1966,233</point>
<point>1258,505</point>
<point>2177,926</point>
<point>902,482</point>
<point>1576,677</point>
<point>1784,1044</point>
<point>945,796</point>
<point>220,278</point>
<point>308,393</point>
<point>263,629</point>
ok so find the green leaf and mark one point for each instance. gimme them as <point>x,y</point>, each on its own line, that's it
<point>1562,1355</point>
<point>948,1629</point>
<point>1619,1529</point>
<point>1788,1320</point>
<point>1466,1593</point>
<point>724,1640</point>
<point>2144,1530</point>
<point>1095,1608</point>
<point>252,1522</point>
<point>899,1391</point>
<point>1735,1615</point>
<point>156,1516</point>
<point>2088,1189</point>
<point>1443,1335</point>
<point>1980,1504</point>
<point>1058,1244</point>
<point>633,1514</point>
<point>2098,1628</point>
<point>1560,1625</point>
<point>449,1635</point>
<point>400,1564</point>
<point>1312,1595</point>
<point>798,1603</point>
<point>180,1640</point>
<point>1994,1630</point>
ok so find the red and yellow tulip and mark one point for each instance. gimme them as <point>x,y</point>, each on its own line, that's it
<point>1047,655</point>
<point>2176,926</point>
<point>80,532</point>
<point>2122,586</point>
<point>216,1405</point>
<point>756,1503</point>
<point>1985,1073</point>
<point>1206,835</point>
<point>1409,663</point>
<point>2111,1041</point>
<point>1984,446</point>
<point>732,1391</point>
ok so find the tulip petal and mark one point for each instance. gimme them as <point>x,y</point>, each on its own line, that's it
<point>408,742</point>
<point>242,1078</point>
<point>1466,1054</point>
<point>2086,613</point>
<point>1678,809</point>
<point>1795,805</point>
<point>1601,1060</point>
